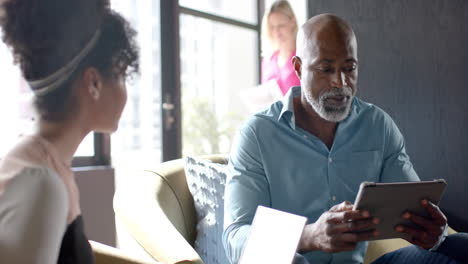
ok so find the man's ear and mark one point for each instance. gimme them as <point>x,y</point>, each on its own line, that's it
<point>92,82</point>
<point>297,64</point>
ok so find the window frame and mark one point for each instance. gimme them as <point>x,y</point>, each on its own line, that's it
<point>102,153</point>
<point>171,107</point>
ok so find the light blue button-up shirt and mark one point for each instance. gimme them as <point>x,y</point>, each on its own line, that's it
<point>280,165</point>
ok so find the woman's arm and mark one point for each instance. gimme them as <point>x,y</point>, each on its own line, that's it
<point>33,213</point>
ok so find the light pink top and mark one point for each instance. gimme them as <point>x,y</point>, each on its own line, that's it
<point>36,152</point>
<point>285,76</point>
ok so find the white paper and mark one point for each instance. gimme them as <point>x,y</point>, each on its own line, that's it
<point>274,237</point>
<point>259,97</point>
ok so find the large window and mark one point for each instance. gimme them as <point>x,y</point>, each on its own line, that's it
<point>219,57</point>
<point>219,67</point>
<point>218,63</point>
<point>137,142</point>
<point>17,112</point>
<point>239,10</point>
<point>138,139</point>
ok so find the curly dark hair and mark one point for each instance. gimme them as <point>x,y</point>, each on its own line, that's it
<point>46,34</point>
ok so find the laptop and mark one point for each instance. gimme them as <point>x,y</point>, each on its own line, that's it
<point>274,237</point>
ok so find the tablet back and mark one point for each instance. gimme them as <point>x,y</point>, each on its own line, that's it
<point>388,201</point>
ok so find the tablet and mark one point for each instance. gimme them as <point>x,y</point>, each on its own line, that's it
<point>388,201</point>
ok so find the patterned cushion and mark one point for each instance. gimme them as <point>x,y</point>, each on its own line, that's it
<point>206,181</point>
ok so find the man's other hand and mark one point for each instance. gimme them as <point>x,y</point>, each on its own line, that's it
<point>338,229</point>
<point>430,229</point>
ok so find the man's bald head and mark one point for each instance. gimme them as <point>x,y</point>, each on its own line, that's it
<point>324,31</point>
<point>326,64</point>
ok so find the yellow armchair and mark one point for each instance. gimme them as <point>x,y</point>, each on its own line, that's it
<point>104,254</point>
<point>156,209</point>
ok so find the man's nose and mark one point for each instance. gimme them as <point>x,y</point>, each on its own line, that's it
<point>339,79</point>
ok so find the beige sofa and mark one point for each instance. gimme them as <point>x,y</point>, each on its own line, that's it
<point>156,210</point>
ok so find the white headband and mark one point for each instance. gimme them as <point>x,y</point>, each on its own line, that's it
<point>53,81</point>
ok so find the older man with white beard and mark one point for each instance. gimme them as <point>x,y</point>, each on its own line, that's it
<point>309,153</point>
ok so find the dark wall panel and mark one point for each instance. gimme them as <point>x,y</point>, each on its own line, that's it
<point>414,64</point>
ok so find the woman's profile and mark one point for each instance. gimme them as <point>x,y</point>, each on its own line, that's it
<point>75,56</point>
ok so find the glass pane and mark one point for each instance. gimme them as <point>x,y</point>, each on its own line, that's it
<point>218,63</point>
<point>15,102</point>
<point>243,10</point>
<point>86,148</point>
<point>17,109</point>
<point>137,142</point>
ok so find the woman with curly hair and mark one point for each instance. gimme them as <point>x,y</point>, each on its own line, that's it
<point>75,55</point>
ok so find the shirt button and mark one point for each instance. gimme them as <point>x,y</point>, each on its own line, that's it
<point>305,136</point>
<point>334,198</point>
<point>330,160</point>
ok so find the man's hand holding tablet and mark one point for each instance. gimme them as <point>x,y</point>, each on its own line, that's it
<point>381,211</point>
<point>430,229</point>
<point>406,210</point>
<point>339,229</point>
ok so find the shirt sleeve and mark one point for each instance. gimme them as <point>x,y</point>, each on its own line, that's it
<point>246,188</point>
<point>33,213</point>
<point>397,166</point>
<point>441,239</point>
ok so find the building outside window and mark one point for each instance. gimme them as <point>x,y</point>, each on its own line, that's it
<point>219,54</point>
<point>219,61</point>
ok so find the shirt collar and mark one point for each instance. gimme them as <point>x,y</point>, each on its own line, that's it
<point>287,112</point>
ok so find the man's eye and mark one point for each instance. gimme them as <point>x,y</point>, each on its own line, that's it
<point>349,69</point>
<point>326,70</point>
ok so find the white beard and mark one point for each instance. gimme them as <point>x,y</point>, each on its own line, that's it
<point>332,112</point>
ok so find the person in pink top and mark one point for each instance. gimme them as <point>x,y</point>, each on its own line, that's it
<point>279,29</point>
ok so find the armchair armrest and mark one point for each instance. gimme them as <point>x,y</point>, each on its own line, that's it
<point>104,254</point>
<point>451,231</point>
<point>138,210</point>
